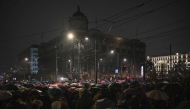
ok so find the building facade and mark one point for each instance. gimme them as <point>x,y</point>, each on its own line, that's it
<point>88,52</point>
<point>28,62</point>
<point>165,63</point>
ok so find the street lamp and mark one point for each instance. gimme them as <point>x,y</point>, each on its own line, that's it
<point>117,63</point>
<point>70,36</point>
<point>112,51</point>
<point>26,59</point>
<point>70,65</point>
<point>124,60</point>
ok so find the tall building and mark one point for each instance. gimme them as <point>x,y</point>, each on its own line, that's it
<point>28,62</point>
<point>88,52</point>
<point>165,63</point>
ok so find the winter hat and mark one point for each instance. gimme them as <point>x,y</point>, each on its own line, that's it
<point>38,103</point>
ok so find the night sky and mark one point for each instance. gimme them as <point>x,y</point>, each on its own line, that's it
<point>158,23</point>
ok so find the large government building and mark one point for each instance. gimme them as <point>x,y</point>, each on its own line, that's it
<point>81,53</point>
<point>165,63</point>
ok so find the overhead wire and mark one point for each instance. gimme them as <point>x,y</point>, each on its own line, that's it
<point>172,45</point>
<point>160,27</point>
<point>29,35</point>
<point>113,15</point>
<point>121,14</point>
<point>165,33</point>
<point>62,28</point>
<point>145,13</point>
<point>167,39</point>
<point>8,10</point>
<point>109,21</point>
<point>156,36</point>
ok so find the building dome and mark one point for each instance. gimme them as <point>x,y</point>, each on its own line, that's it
<point>78,13</point>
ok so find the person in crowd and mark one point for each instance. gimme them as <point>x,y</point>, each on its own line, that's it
<point>171,100</point>
<point>99,92</point>
<point>134,103</point>
<point>56,105</point>
<point>85,101</point>
<point>29,100</point>
<point>119,98</point>
<point>36,104</point>
<point>144,100</point>
<point>72,99</point>
<point>64,104</point>
<point>45,99</point>
<point>111,95</point>
<point>159,104</point>
<point>15,103</point>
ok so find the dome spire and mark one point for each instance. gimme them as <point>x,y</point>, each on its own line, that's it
<point>78,13</point>
<point>78,8</point>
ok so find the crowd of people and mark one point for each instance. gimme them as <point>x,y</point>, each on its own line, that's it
<point>126,95</point>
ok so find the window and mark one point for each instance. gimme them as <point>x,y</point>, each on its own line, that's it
<point>123,50</point>
<point>137,53</point>
<point>129,52</point>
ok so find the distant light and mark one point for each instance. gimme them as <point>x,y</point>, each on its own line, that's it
<point>125,59</point>
<point>70,35</point>
<point>112,51</point>
<point>14,78</point>
<point>26,59</point>
<point>86,38</point>
<point>101,59</point>
<point>61,78</point>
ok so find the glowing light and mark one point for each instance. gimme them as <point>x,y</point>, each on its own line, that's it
<point>70,35</point>
<point>26,59</point>
<point>61,78</point>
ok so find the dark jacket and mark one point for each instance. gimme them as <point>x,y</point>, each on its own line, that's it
<point>14,105</point>
<point>85,102</point>
<point>134,103</point>
<point>46,102</point>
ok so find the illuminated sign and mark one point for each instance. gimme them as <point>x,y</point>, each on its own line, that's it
<point>116,70</point>
<point>142,71</point>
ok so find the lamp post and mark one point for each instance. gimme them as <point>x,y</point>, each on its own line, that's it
<point>78,63</point>
<point>170,74</point>
<point>117,64</point>
<point>95,66</point>
<point>125,65</point>
<point>26,59</point>
<point>116,72</point>
<point>55,63</point>
<point>71,36</point>
<point>70,66</point>
<point>145,69</point>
